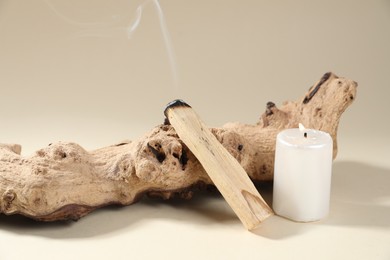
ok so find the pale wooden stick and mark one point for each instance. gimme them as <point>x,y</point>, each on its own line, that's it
<point>223,169</point>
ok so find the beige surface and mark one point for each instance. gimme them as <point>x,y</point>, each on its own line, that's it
<point>84,71</point>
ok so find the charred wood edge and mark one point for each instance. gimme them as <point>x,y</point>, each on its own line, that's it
<point>324,78</point>
<point>173,104</point>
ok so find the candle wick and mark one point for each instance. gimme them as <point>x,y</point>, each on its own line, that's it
<point>305,134</point>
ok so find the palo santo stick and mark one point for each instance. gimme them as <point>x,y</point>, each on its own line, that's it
<point>223,169</point>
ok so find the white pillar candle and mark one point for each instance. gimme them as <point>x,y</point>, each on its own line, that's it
<point>302,176</point>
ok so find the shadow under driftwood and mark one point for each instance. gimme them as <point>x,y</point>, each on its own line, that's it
<point>359,196</point>
<point>206,208</point>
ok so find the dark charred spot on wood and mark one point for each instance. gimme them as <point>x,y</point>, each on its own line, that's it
<point>269,107</point>
<point>175,155</point>
<point>317,87</point>
<point>165,127</point>
<point>50,144</point>
<point>174,104</point>
<point>205,141</point>
<point>318,112</point>
<point>120,144</point>
<point>59,153</point>
<point>183,159</point>
<point>160,156</point>
<point>239,147</point>
<point>270,104</point>
<point>166,122</point>
<point>39,171</point>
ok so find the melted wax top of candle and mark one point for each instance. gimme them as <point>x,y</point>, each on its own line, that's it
<point>295,137</point>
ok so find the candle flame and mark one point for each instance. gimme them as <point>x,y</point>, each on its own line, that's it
<point>301,127</point>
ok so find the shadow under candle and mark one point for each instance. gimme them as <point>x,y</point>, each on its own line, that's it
<point>360,195</point>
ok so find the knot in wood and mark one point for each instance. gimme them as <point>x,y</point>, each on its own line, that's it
<point>269,107</point>
<point>8,197</point>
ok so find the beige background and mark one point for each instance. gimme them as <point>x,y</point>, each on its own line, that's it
<point>97,72</point>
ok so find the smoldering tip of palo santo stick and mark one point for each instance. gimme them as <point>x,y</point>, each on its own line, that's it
<point>223,169</point>
<point>173,104</point>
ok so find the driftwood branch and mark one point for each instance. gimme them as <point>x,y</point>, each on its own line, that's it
<point>63,181</point>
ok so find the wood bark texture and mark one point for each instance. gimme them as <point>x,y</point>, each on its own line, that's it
<point>63,181</point>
